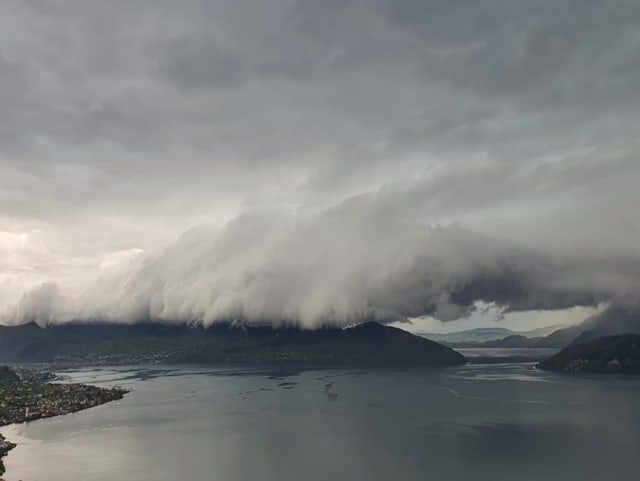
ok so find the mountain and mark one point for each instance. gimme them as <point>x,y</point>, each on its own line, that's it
<point>477,335</point>
<point>541,331</point>
<point>369,344</point>
<point>610,322</point>
<point>513,341</point>
<point>610,354</point>
<point>490,337</point>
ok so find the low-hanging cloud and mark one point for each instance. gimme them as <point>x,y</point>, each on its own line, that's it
<point>358,261</point>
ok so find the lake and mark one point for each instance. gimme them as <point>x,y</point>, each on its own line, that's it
<point>476,422</point>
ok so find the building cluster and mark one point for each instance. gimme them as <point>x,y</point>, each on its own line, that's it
<point>28,395</point>
<point>116,359</point>
<point>26,401</point>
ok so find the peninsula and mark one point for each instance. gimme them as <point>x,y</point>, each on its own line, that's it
<point>28,395</point>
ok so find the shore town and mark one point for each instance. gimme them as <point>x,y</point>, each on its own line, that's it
<point>27,395</point>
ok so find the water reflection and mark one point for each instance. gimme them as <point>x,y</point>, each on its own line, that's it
<point>471,423</point>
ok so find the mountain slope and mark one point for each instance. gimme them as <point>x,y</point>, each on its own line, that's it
<point>477,335</point>
<point>611,354</point>
<point>610,322</point>
<point>369,344</point>
<point>491,337</point>
<point>607,323</point>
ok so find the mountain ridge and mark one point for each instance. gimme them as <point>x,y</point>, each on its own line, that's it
<point>476,336</point>
<point>611,321</point>
<point>367,344</point>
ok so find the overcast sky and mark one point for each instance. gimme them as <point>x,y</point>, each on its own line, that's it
<point>317,161</point>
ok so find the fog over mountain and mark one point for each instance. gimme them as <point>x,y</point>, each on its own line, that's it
<point>317,162</point>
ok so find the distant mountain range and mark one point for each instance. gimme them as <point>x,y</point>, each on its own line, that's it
<point>610,322</point>
<point>472,337</point>
<point>369,344</point>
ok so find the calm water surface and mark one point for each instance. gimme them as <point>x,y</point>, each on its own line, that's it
<point>477,422</point>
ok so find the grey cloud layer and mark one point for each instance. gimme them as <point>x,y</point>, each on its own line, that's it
<point>125,123</point>
<point>358,261</point>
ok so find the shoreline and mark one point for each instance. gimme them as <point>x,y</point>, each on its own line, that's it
<point>5,447</point>
<point>29,395</point>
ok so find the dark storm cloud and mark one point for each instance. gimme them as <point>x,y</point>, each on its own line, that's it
<point>200,64</point>
<point>521,46</point>
<point>363,124</point>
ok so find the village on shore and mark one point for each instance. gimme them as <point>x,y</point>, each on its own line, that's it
<point>27,395</point>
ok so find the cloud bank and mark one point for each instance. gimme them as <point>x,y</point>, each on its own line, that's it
<point>349,159</point>
<point>361,260</point>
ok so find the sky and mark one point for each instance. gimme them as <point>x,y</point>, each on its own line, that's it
<point>318,162</point>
